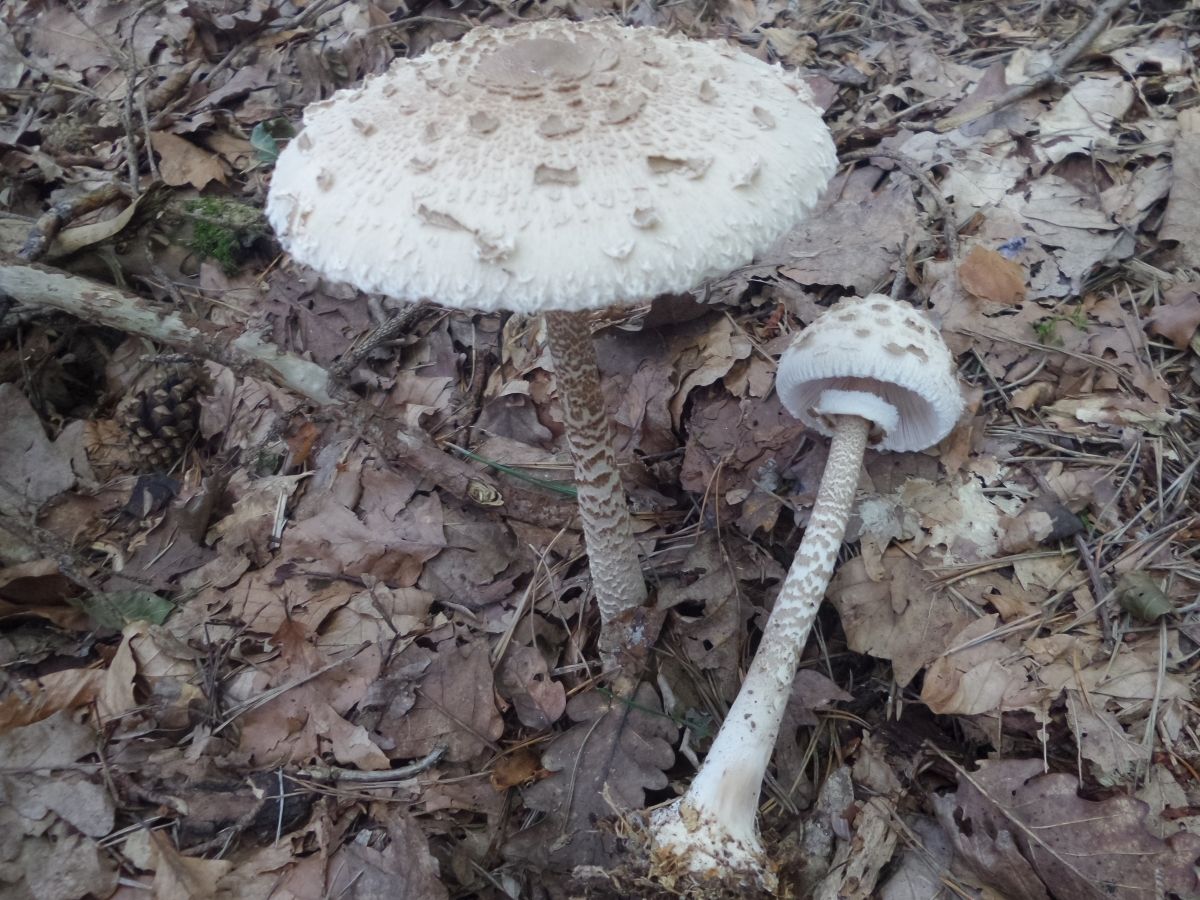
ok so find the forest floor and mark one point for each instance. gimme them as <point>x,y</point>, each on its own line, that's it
<point>283,652</point>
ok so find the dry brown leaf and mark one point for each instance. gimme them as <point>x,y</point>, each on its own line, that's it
<point>454,706</point>
<point>178,877</point>
<point>1082,120</point>
<point>904,619</point>
<point>923,869</point>
<point>710,359</point>
<point>616,751</point>
<point>525,681</point>
<point>57,741</point>
<point>855,236</point>
<point>182,162</point>
<point>990,276</point>
<point>62,866</point>
<point>1179,315</point>
<point>1181,221</point>
<point>397,864</point>
<point>1101,739</point>
<point>516,768</point>
<point>30,464</point>
<point>1009,820</point>
<point>983,678</point>
<point>305,721</point>
<point>116,692</point>
<point>34,699</point>
<point>711,638</point>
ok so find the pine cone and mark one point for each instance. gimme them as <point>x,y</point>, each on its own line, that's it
<point>161,421</point>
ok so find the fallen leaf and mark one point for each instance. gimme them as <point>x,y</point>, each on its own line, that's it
<point>32,466</point>
<point>904,618</point>
<point>1082,120</point>
<point>398,866</point>
<point>34,699</point>
<point>516,768</point>
<point>178,877</point>
<point>1178,316</point>
<point>525,681</point>
<point>1181,220</point>
<point>1101,739</point>
<point>182,162</point>
<point>1079,849</point>
<point>616,751</point>
<point>990,276</point>
<point>855,235</point>
<point>454,706</point>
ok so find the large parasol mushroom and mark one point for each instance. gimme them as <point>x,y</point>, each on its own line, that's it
<point>560,168</point>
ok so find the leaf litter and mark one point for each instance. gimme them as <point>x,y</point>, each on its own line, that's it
<point>1000,702</point>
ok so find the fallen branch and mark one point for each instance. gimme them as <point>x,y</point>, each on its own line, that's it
<point>248,355</point>
<point>51,222</point>
<point>1070,53</point>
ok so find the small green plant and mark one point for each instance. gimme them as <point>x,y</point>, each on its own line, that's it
<point>1046,329</point>
<point>223,230</point>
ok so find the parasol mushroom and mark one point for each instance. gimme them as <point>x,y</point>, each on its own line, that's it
<point>867,371</point>
<point>560,168</point>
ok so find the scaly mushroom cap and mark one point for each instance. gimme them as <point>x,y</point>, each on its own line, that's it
<point>551,165</point>
<point>876,358</point>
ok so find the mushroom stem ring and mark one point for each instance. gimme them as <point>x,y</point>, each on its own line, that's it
<point>607,532</point>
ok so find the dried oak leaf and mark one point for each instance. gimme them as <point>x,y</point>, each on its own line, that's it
<point>1179,316</point>
<point>182,162</point>
<point>1019,829</point>
<point>399,866</point>
<point>34,468</point>
<point>604,764</point>
<point>1181,220</point>
<point>854,237</point>
<point>987,274</point>
<point>525,680</point>
<point>904,618</point>
<point>454,707</point>
<point>711,640</point>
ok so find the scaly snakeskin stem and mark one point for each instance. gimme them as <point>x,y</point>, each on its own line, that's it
<point>612,553</point>
<point>737,761</point>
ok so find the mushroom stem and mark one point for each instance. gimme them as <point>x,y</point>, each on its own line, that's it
<point>713,827</point>
<point>607,532</point>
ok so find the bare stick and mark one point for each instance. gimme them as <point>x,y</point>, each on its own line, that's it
<point>51,222</point>
<point>247,354</point>
<point>1018,92</point>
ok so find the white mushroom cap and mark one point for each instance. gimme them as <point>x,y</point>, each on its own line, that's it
<point>876,358</point>
<point>552,165</point>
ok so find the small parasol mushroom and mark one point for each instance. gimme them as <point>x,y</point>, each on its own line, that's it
<point>869,370</point>
<point>561,168</point>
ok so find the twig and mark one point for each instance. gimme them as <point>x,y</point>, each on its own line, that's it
<point>401,322</point>
<point>51,222</point>
<point>1099,20</point>
<point>383,776</point>
<point>247,354</point>
<point>1099,588</point>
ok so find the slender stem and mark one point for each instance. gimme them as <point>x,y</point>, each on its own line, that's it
<point>732,774</point>
<point>612,552</point>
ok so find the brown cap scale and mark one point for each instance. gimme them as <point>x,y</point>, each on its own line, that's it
<point>556,167</point>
